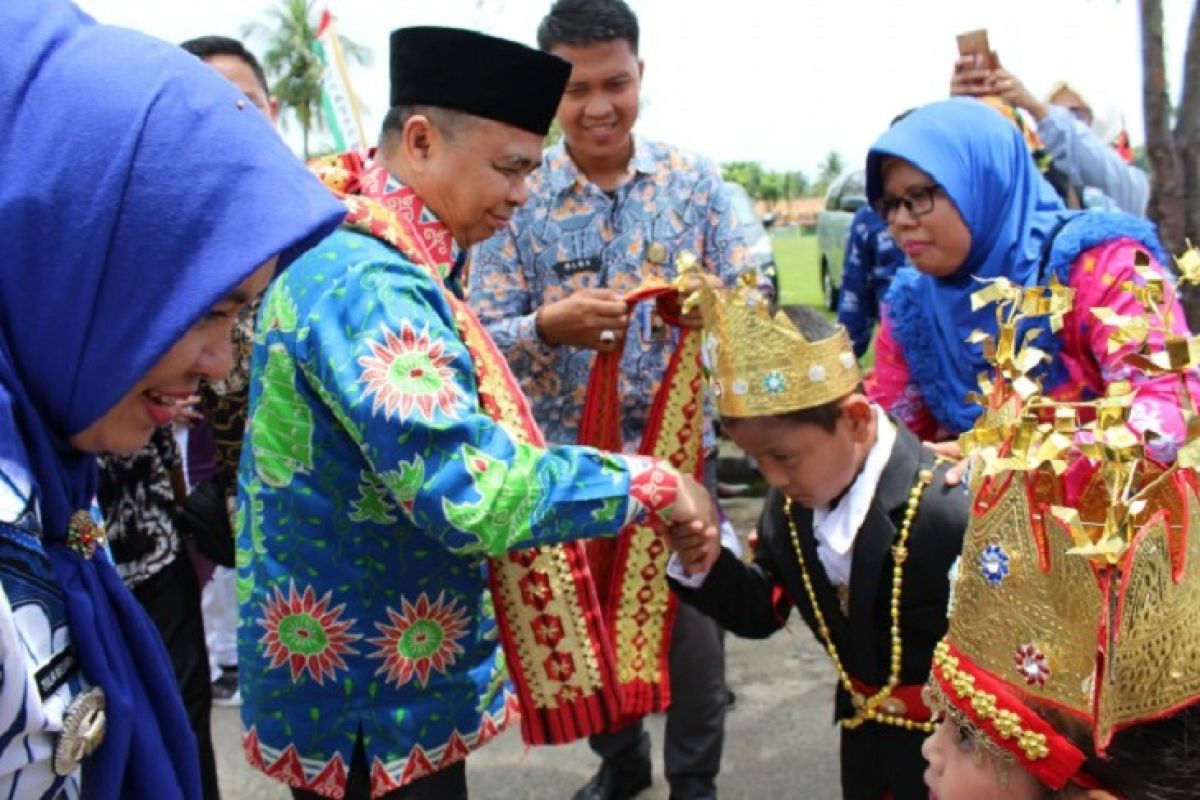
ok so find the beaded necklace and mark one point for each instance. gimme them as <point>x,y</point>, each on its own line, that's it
<point>868,709</point>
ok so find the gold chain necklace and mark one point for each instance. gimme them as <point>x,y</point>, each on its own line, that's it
<point>867,709</point>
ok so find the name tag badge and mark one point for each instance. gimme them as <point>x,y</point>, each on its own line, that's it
<point>56,672</point>
<point>574,266</point>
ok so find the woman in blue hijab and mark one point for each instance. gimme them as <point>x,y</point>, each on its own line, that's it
<point>965,201</point>
<point>144,202</point>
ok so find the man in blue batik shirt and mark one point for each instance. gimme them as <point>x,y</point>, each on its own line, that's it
<point>604,205</point>
<point>872,259</point>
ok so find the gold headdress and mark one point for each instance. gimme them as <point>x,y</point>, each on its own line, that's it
<point>1079,581</point>
<point>761,364</point>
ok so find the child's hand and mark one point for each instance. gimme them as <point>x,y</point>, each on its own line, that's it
<point>696,543</point>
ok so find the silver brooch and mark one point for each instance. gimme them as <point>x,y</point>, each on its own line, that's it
<point>82,732</point>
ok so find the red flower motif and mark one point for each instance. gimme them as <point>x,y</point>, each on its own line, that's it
<point>1032,664</point>
<point>422,638</point>
<point>407,371</point>
<point>306,634</point>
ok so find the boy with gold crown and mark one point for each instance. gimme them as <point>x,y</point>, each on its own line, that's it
<point>858,532</point>
<point>1071,668</point>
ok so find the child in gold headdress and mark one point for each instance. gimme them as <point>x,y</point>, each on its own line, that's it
<point>858,532</point>
<point>1071,667</point>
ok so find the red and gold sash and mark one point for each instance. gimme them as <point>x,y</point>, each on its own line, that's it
<point>630,570</point>
<point>546,605</point>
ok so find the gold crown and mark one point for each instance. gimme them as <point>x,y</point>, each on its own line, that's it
<point>762,365</point>
<point>1114,643</point>
<point>1080,572</point>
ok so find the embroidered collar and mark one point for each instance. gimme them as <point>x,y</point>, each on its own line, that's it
<point>565,174</point>
<point>357,173</point>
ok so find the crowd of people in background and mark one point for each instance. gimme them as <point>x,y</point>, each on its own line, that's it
<point>406,446</point>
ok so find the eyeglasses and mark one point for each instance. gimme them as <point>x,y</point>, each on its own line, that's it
<point>917,202</point>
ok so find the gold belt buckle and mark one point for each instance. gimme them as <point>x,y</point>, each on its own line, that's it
<point>895,707</point>
<point>83,730</point>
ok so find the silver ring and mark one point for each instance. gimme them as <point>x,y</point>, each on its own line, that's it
<point>607,337</point>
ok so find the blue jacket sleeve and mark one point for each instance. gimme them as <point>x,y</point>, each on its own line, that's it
<point>393,371</point>
<point>857,305</point>
<point>1090,162</point>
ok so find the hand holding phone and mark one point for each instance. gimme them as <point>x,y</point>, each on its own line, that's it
<point>973,69</point>
<point>975,43</point>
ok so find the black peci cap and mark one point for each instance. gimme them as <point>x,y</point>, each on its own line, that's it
<point>463,70</point>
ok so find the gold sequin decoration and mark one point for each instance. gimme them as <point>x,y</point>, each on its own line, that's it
<point>762,364</point>
<point>1006,724</point>
<point>639,629</point>
<point>546,563</point>
<point>1155,664</point>
<point>1048,608</point>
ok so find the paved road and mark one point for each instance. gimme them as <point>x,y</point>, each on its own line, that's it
<point>779,740</point>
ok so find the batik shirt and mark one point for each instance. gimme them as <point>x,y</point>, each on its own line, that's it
<point>372,490</point>
<point>571,235</point>
<point>38,672</point>
<point>872,259</point>
<point>138,500</point>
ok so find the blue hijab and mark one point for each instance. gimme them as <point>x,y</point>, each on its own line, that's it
<point>138,189</point>
<point>1015,218</point>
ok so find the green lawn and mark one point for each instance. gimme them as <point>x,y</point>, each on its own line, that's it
<point>799,277</point>
<point>798,264</point>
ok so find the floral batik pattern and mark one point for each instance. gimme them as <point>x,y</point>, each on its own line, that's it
<point>408,371</point>
<point>421,637</point>
<point>571,235</point>
<point>372,492</point>
<point>306,634</point>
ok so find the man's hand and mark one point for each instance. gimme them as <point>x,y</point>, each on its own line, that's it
<point>593,318</point>
<point>694,531</point>
<point>694,319</point>
<point>696,548</point>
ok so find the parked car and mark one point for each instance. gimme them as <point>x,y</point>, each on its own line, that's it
<point>846,194</point>
<point>754,231</point>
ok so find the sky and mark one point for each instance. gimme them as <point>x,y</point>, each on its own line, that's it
<point>781,82</point>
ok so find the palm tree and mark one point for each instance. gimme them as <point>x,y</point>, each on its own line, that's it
<point>831,167</point>
<point>293,66</point>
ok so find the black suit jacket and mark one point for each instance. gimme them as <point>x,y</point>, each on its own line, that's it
<point>753,600</point>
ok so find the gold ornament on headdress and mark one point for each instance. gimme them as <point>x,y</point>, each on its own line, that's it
<point>1003,394</point>
<point>1188,265</point>
<point>761,364</point>
<point>1080,572</point>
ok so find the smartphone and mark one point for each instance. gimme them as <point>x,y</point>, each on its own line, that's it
<point>976,43</point>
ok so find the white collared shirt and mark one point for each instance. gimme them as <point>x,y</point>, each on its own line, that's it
<point>836,528</point>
